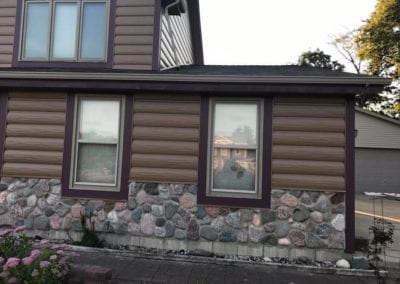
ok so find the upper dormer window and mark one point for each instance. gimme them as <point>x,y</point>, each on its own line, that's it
<point>68,30</point>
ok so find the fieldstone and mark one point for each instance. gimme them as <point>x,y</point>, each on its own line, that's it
<point>339,209</point>
<point>56,222</point>
<point>29,222</point>
<point>56,189</point>
<point>269,228</point>
<point>146,208</point>
<point>268,216</point>
<point>157,210</point>
<point>284,242</point>
<point>227,235</point>
<point>201,213</point>
<point>283,212</point>
<point>314,241</point>
<point>132,203</point>
<point>32,182</point>
<point>31,201</point>
<point>337,198</point>
<point>53,182</point>
<point>3,186</point>
<point>191,189</point>
<point>339,223</point>
<point>11,198</point>
<point>323,204</point>
<point>246,215</point>
<point>256,233</point>
<point>296,193</point>
<point>205,221</point>
<point>314,195</point>
<point>133,190</point>
<point>180,234</point>
<point>3,209</point>
<point>41,188</point>
<point>76,211</point>
<point>277,193</point>
<point>242,236</point>
<point>120,206</point>
<point>160,232</point>
<point>282,228</point>
<point>134,229</point>
<point>141,197</point>
<point>164,191</point>
<point>66,224</point>
<point>137,214</point>
<point>256,220</point>
<point>300,214</point>
<point>88,211</point>
<point>27,191</point>
<point>208,233</point>
<point>170,208</point>
<point>288,200</point>
<point>269,239</point>
<point>26,211</point>
<point>125,215</point>
<point>297,238</point>
<point>96,205</point>
<point>61,209</point>
<point>101,215</point>
<point>178,221</point>
<point>7,219</point>
<point>52,199</point>
<point>218,223</point>
<point>193,230</point>
<point>112,216</point>
<point>176,189</point>
<point>188,200</point>
<point>41,223</point>
<point>342,263</point>
<point>48,211</point>
<point>22,202</point>
<point>323,230</point>
<point>233,219</point>
<point>154,199</point>
<point>151,188</point>
<point>108,227</point>
<point>120,227</point>
<point>147,225</point>
<point>359,262</point>
<point>316,217</point>
<point>160,222</point>
<point>212,211</point>
<point>267,259</point>
<point>3,196</point>
<point>336,240</point>
<point>184,214</point>
<point>169,229</point>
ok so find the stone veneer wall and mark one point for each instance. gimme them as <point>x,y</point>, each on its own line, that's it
<point>169,212</point>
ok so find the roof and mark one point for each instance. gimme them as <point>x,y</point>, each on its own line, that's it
<point>378,115</point>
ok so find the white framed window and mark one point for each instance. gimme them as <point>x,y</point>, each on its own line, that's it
<point>65,30</point>
<point>235,139</point>
<point>97,148</point>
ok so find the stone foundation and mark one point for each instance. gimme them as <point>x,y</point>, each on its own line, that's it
<point>167,216</point>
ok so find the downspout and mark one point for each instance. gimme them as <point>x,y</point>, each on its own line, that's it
<point>171,32</point>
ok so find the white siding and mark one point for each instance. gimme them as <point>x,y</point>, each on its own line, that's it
<point>373,132</point>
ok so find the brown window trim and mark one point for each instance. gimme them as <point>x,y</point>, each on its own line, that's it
<point>3,118</point>
<point>125,163</point>
<point>202,197</point>
<point>63,64</point>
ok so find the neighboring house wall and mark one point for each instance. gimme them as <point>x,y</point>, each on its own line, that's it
<point>377,153</point>
<point>7,29</point>
<point>34,135</point>
<point>175,37</point>
<point>308,144</point>
<point>134,26</point>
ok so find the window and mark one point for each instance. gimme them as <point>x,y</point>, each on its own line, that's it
<point>97,144</point>
<point>65,30</point>
<point>234,148</point>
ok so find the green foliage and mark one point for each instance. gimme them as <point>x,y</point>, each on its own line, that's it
<point>319,59</point>
<point>15,246</point>
<point>90,237</point>
<point>379,39</point>
<point>382,232</point>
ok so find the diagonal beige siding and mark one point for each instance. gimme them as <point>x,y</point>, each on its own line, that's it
<point>165,139</point>
<point>7,29</point>
<point>308,151</point>
<point>134,28</point>
<point>34,135</point>
<point>178,30</point>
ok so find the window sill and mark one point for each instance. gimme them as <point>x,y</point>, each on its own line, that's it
<point>63,64</point>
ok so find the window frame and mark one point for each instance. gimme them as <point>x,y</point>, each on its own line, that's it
<point>93,190</point>
<point>232,199</point>
<point>50,61</point>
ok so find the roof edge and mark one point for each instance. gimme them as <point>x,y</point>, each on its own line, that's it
<point>378,115</point>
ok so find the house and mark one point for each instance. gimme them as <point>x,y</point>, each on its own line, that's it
<point>377,159</point>
<point>108,111</point>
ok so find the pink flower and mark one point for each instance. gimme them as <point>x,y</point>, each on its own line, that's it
<point>1,260</point>
<point>44,264</point>
<point>4,274</point>
<point>12,262</point>
<point>35,273</point>
<point>19,229</point>
<point>6,232</point>
<point>53,257</point>
<point>27,260</point>
<point>44,242</point>
<point>35,253</point>
<point>60,252</point>
<point>12,280</point>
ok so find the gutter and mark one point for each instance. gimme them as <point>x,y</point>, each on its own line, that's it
<point>181,78</point>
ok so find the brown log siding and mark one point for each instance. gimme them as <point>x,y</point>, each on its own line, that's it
<point>308,151</point>
<point>34,135</point>
<point>7,30</point>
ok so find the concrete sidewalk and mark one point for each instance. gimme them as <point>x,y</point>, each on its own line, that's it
<point>139,269</point>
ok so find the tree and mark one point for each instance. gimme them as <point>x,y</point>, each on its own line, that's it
<point>379,39</point>
<point>347,47</point>
<point>319,59</point>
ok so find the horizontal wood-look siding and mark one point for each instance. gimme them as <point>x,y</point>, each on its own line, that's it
<point>175,32</point>
<point>134,28</point>
<point>34,135</point>
<point>165,139</point>
<point>7,28</point>
<point>308,151</point>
